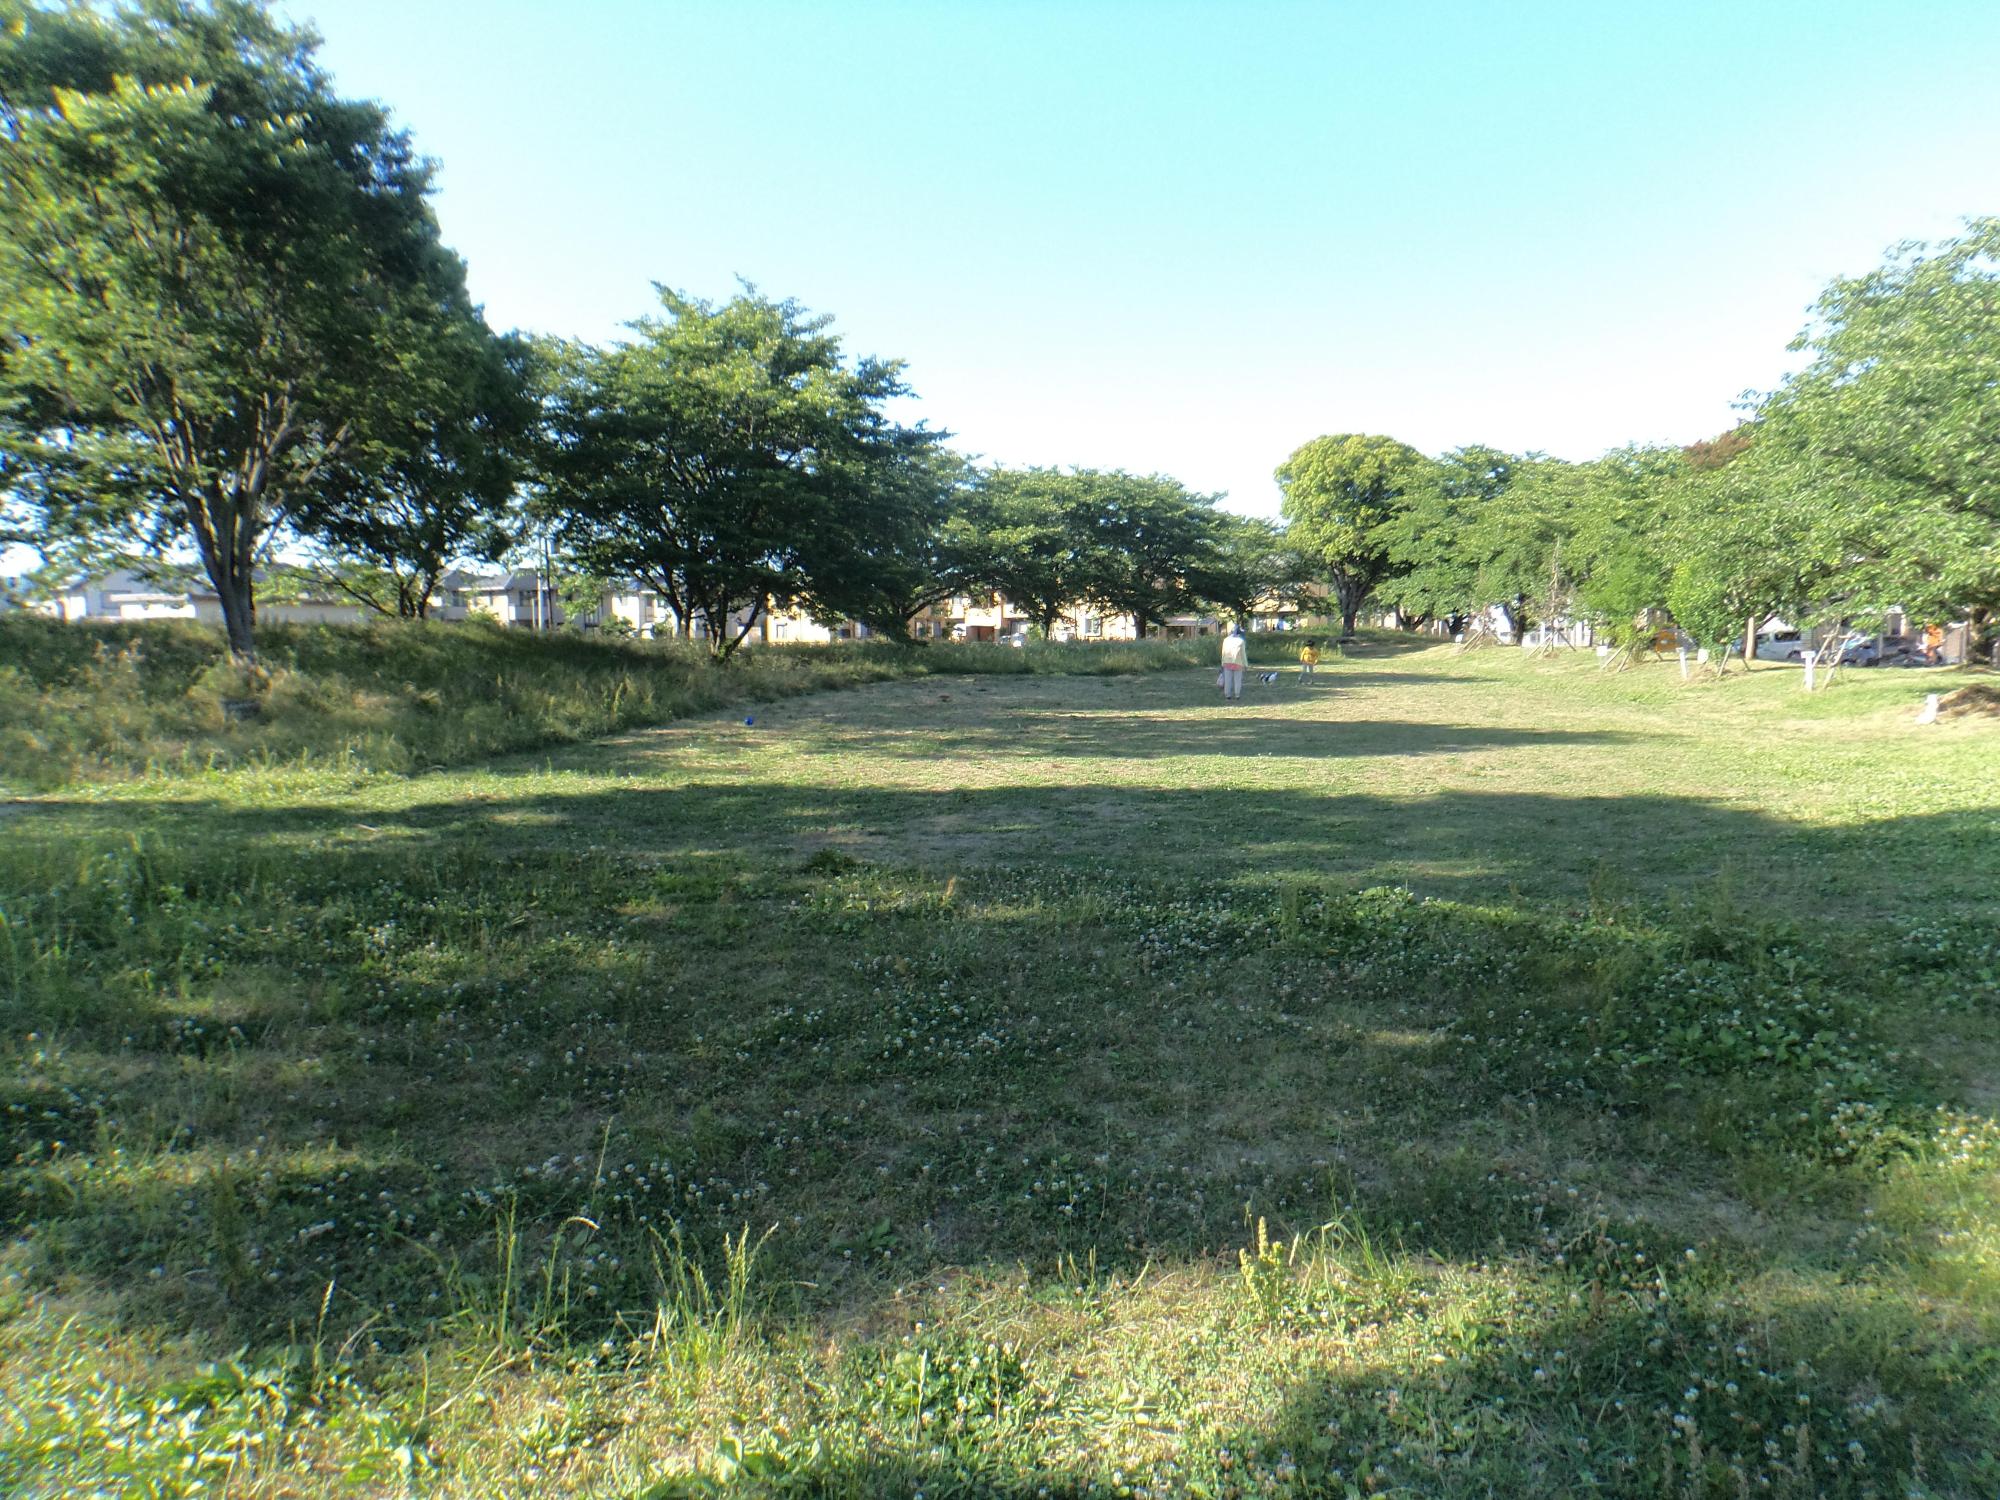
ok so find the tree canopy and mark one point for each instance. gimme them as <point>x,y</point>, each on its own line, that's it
<point>445,490</point>
<point>1903,392</point>
<point>1338,494</point>
<point>731,458</point>
<point>217,278</point>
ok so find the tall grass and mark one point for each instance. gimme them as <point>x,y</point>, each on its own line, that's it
<point>83,703</point>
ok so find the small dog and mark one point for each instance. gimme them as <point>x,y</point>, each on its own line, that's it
<point>1267,678</point>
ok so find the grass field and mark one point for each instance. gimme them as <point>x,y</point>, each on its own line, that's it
<point>1467,1076</point>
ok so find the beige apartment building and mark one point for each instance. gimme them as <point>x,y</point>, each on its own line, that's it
<point>176,595</point>
<point>993,618</point>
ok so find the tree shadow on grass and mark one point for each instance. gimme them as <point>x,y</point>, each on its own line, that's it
<point>1128,735</point>
<point>1533,848</point>
<point>1368,645</point>
<point>644,1007</point>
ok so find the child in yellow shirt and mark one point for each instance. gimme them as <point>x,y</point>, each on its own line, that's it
<point>1308,659</point>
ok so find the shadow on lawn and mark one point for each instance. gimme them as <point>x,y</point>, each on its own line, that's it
<point>1283,645</point>
<point>1469,845</point>
<point>1124,734</point>
<point>1539,848</point>
<point>511,980</point>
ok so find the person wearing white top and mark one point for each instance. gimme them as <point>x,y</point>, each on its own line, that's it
<point>1235,652</point>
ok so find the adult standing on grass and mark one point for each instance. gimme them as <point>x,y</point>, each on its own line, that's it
<point>1235,653</point>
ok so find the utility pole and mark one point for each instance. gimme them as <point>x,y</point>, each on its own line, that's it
<point>548,584</point>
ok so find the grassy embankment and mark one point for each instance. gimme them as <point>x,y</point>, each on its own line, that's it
<point>1471,1076</point>
<point>106,702</point>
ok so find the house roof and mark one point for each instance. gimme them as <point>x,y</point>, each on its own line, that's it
<point>163,582</point>
<point>177,583</point>
<point>491,583</point>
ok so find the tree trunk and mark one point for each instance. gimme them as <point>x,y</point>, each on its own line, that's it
<point>225,536</point>
<point>239,614</point>
<point>1349,597</point>
<point>1750,642</point>
<point>724,645</point>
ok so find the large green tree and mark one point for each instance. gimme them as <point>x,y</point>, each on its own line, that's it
<point>1777,532</point>
<point>1539,534</point>
<point>1615,512</point>
<point>1438,568</point>
<point>1025,544</point>
<point>1903,391</point>
<point>1051,539</point>
<point>1339,492</point>
<point>1249,561</point>
<point>217,277</point>
<point>1144,538</point>
<point>731,458</point>
<point>917,546</point>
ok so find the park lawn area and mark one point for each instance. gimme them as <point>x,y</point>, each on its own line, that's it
<point>1471,1074</point>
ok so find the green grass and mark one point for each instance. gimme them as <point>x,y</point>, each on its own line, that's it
<point>106,702</point>
<point>1472,1075</point>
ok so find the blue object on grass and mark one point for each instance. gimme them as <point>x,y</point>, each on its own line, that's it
<point>750,719</point>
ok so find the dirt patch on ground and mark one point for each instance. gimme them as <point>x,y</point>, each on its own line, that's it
<point>1980,700</point>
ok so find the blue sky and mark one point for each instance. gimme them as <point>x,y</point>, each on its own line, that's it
<point>1189,238</point>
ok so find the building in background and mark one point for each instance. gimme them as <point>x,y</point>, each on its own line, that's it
<point>129,594</point>
<point>991,617</point>
<point>526,600</point>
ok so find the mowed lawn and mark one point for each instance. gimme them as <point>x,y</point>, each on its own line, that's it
<point>1468,1074</point>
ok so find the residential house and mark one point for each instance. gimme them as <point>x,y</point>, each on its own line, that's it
<point>991,617</point>
<point>1090,622</point>
<point>796,628</point>
<point>129,594</point>
<point>525,600</point>
<point>648,615</point>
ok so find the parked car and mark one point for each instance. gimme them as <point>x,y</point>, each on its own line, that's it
<point>1778,645</point>
<point>1862,651</point>
<point>1876,651</point>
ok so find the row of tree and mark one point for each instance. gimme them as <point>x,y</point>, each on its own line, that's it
<point>228,326</point>
<point>1868,481</point>
<point>728,458</point>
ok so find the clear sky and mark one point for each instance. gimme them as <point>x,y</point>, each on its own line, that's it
<point>1189,238</point>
